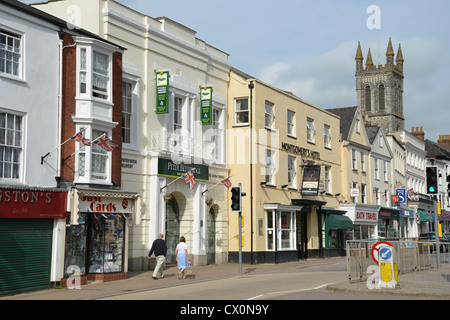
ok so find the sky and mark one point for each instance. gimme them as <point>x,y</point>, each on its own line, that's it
<point>308,47</point>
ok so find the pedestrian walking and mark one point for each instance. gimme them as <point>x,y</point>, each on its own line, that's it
<point>159,247</point>
<point>182,257</point>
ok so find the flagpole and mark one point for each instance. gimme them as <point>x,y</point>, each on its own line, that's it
<point>48,153</point>
<point>162,188</point>
<point>79,149</point>
<point>215,185</point>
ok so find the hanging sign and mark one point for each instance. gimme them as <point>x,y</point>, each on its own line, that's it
<point>206,105</point>
<point>162,92</point>
<point>311,177</point>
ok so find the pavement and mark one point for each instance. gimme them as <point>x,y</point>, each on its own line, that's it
<point>142,281</point>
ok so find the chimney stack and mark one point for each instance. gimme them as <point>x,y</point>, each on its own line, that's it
<point>444,141</point>
<point>418,132</point>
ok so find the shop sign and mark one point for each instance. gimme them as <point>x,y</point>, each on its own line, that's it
<point>305,153</point>
<point>15,203</point>
<point>169,168</point>
<point>311,177</point>
<point>162,92</point>
<point>104,204</point>
<point>206,105</point>
<point>366,216</point>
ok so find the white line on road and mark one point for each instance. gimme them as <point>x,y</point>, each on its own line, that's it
<point>286,292</point>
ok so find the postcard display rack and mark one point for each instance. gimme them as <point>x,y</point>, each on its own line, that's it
<point>107,243</point>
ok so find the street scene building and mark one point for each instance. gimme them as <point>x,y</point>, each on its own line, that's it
<point>131,126</point>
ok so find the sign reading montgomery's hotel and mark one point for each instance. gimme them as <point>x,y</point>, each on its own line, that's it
<point>305,153</point>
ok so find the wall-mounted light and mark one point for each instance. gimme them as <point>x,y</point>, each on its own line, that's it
<point>263,183</point>
<point>284,186</point>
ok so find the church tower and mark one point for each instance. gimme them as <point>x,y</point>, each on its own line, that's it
<point>379,89</point>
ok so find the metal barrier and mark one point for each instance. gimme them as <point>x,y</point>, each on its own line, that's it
<point>418,261</point>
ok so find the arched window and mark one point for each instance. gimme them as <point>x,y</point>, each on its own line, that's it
<point>368,98</point>
<point>381,98</point>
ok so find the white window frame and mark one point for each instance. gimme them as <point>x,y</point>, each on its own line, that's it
<point>269,115</point>
<point>15,36</point>
<point>291,123</point>
<point>363,161</point>
<point>310,131</point>
<point>17,143</point>
<point>327,179</point>
<point>354,159</point>
<point>86,174</point>
<point>292,173</point>
<point>376,168</point>
<point>270,166</point>
<point>327,136</point>
<point>270,230</point>
<point>291,218</point>
<point>88,70</point>
<point>218,137</point>
<point>237,113</point>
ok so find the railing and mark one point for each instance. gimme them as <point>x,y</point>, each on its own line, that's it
<point>418,261</point>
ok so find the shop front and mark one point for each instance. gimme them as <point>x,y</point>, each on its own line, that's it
<point>407,226</point>
<point>364,218</point>
<point>30,224</point>
<point>337,229</point>
<point>97,234</point>
<point>388,223</point>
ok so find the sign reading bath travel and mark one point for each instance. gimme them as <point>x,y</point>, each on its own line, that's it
<point>162,92</point>
<point>206,105</point>
<point>311,177</point>
<point>168,168</point>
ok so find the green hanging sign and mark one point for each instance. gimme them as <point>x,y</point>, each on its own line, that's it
<point>206,105</point>
<point>162,92</point>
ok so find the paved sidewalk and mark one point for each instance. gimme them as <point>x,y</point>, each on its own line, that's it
<point>142,281</point>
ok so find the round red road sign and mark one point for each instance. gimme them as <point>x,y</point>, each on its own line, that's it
<point>376,248</point>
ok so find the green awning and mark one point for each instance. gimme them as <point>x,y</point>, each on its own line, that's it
<point>335,221</point>
<point>424,216</point>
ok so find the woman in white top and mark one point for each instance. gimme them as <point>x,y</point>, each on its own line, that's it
<point>182,257</point>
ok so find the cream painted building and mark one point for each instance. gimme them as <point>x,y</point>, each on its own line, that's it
<point>159,147</point>
<point>272,137</point>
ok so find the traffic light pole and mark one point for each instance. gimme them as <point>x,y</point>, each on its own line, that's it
<point>240,238</point>
<point>436,231</point>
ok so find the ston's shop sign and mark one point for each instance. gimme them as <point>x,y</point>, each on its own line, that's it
<point>32,203</point>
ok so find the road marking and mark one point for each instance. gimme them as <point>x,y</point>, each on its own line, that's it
<point>289,291</point>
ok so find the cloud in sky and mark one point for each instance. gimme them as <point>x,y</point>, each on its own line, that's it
<point>308,47</point>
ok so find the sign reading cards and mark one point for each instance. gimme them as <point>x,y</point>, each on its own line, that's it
<point>206,105</point>
<point>311,176</point>
<point>162,92</point>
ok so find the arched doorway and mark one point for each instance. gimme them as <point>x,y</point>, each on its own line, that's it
<point>211,249</point>
<point>172,228</point>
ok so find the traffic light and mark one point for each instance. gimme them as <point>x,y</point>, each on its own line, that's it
<point>235,198</point>
<point>432,180</point>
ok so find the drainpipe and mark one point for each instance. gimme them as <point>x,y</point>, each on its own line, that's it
<point>251,86</point>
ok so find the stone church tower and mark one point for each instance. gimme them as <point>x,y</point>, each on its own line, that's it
<point>379,89</point>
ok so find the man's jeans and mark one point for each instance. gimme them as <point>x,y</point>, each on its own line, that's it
<point>159,266</point>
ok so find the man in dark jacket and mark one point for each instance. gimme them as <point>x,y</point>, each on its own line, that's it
<point>159,247</point>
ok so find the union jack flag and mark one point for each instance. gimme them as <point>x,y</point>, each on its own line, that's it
<point>106,143</point>
<point>79,138</point>
<point>189,179</point>
<point>226,182</point>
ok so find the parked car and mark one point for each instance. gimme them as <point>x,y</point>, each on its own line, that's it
<point>430,238</point>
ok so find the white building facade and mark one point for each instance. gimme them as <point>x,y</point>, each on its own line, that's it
<point>159,147</point>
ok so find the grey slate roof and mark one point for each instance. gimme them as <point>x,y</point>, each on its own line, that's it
<point>347,115</point>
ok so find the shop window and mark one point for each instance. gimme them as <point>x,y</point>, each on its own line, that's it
<point>106,237</point>
<point>76,249</point>
<point>286,230</point>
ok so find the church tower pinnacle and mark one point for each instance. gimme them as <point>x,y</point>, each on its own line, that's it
<point>379,89</point>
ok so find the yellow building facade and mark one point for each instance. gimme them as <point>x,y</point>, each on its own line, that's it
<point>274,138</point>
